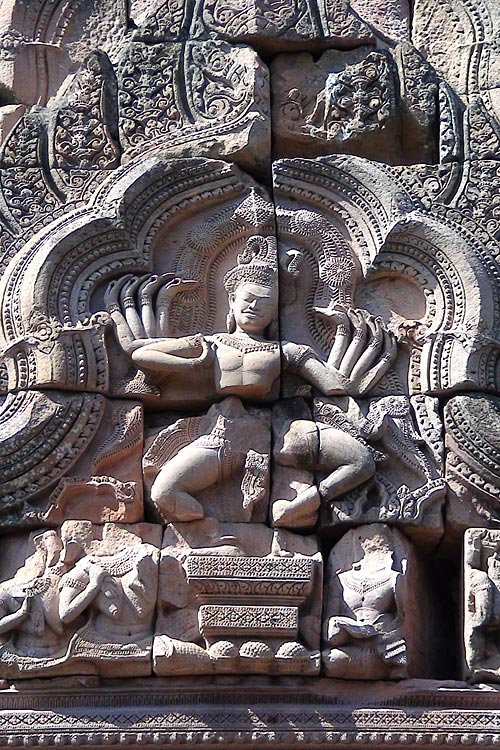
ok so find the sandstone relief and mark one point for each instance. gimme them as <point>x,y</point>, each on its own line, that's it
<point>372,629</point>
<point>81,602</point>
<point>250,362</point>
<point>481,576</point>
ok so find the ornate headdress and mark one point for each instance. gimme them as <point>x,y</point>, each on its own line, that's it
<point>257,264</point>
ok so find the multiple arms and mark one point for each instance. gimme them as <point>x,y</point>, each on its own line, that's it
<point>362,352</point>
<point>142,327</point>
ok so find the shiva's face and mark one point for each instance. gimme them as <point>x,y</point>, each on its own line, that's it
<point>254,307</point>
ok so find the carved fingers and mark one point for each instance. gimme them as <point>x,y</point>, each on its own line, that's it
<point>139,305</point>
<point>170,287</point>
<point>363,349</point>
<point>173,285</point>
<point>129,307</point>
<point>379,368</point>
<point>113,301</point>
<point>112,293</point>
<point>340,320</point>
<point>375,357</point>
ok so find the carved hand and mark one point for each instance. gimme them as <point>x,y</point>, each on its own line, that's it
<point>138,316</point>
<point>363,349</point>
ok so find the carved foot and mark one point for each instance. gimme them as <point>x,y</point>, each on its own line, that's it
<point>298,513</point>
<point>185,509</point>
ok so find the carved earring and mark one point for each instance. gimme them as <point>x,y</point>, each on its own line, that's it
<point>230,322</point>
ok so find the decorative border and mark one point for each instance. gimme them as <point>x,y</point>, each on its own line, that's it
<point>249,714</point>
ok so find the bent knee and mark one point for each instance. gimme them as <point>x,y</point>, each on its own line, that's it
<point>363,464</point>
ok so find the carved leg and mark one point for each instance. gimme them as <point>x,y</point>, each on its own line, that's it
<point>193,469</point>
<point>353,461</point>
<point>356,663</point>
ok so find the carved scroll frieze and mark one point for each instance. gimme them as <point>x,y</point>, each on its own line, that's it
<point>83,132</point>
<point>181,98</point>
<point>279,24</point>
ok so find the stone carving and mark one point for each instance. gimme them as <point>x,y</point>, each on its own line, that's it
<point>472,461</point>
<point>242,362</point>
<point>80,260</point>
<point>345,102</point>
<point>70,456</point>
<point>44,42</point>
<point>200,368</point>
<point>80,602</point>
<point>84,129</point>
<point>271,25</point>
<point>448,345</point>
<point>407,485</point>
<point>237,598</point>
<point>222,457</point>
<point>176,97</point>
<point>481,605</point>
<point>371,630</point>
<point>323,450</point>
<point>341,99</point>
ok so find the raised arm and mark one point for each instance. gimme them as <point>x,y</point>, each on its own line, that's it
<point>75,595</point>
<point>11,619</point>
<point>362,352</point>
<point>139,307</point>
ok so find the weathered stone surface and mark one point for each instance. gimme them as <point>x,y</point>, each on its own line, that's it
<point>472,425</point>
<point>260,357</point>
<point>42,42</point>
<point>79,600</point>
<point>216,465</point>
<point>373,622</point>
<point>237,598</point>
<point>406,264</point>
<point>268,26</point>
<point>180,98</point>
<point>445,31</point>
<point>70,457</point>
<point>295,499</point>
<point>481,580</point>
<point>386,456</point>
<point>176,712</point>
<point>365,102</point>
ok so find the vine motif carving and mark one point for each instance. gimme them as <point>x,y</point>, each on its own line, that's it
<point>146,94</point>
<point>85,126</point>
<point>219,86</point>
